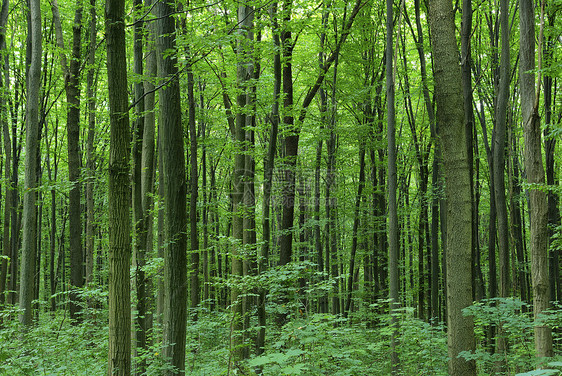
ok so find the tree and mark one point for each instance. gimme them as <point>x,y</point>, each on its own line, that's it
<point>119,193</point>
<point>72,86</point>
<point>393,249</point>
<point>174,189</point>
<point>450,118</point>
<point>29,240</point>
<point>535,174</point>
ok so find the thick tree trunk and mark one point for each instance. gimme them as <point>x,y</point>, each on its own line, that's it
<point>119,194</point>
<point>173,170</point>
<point>450,116</point>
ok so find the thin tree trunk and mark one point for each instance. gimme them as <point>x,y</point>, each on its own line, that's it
<point>551,180</point>
<point>195,297</point>
<point>269,163</point>
<point>140,225</point>
<point>393,240</point>
<point>90,163</point>
<point>29,218</point>
<point>9,189</point>
<point>244,72</point>
<point>499,151</point>
<point>535,176</point>
<point>356,216</point>
<point>72,87</point>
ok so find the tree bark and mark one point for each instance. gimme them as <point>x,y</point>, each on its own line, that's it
<point>450,117</point>
<point>173,170</point>
<point>499,151</point>
<point>72,88</point>
<point>393,240</point>
<point>90,163</point>
<point>29,219</point>
<point>535,176</point>
<point>9,189</point>
<point>119,194</point>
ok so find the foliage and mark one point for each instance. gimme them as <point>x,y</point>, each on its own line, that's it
<point>53,346</point>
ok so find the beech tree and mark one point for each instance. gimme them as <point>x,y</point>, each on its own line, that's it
<point>452,134</point>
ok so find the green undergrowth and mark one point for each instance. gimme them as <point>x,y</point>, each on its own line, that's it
<point>309,345</point>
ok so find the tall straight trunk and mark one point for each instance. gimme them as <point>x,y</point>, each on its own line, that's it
<point>72,87</point>
<point>173,170</point>
<point>244,72</point>
<point>119,193</point>
<point>15,216</point>
<point>331,199</point>
<point>356,215</point>
<point>535,176</point>
<point>269,163</point>
<point>421,157</point>
<point>29,218</point>
<point>466,31</point>
<point>516,227</point>
<point>73,134</point>
<point>499,151</point>
<point>450,111</point>
<point>9,190</point>
<point>208,265</point>
<point>90,163</point>
<point>195,296</point>
<point>291,141</point>
<point>551,180</point>
<point>434,259</point>
<point>498,171</point>
<point>52,172</point>
<point>393,240</point>
<point>147,167</point>
<point>140,225</point>
<point>323,300</point>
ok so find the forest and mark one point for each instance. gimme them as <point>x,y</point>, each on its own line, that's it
<point>280,187</point>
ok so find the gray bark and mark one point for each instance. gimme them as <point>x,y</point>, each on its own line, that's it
<point>450,118</point>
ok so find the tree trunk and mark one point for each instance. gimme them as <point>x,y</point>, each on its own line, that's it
<point>393,241</point>
<point>450,116</point>
<point>499,151</point>
<point>72,87</point>
<point>551,179</point>
<point>90,163</point>
<point>29,240</point>
<point>173,170</point>
<point>9,189</point>
<point>269,163</point>
<point>140,225</point>
<point>119,194</point>
<point>535,176</point>
<point>195,295</point>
